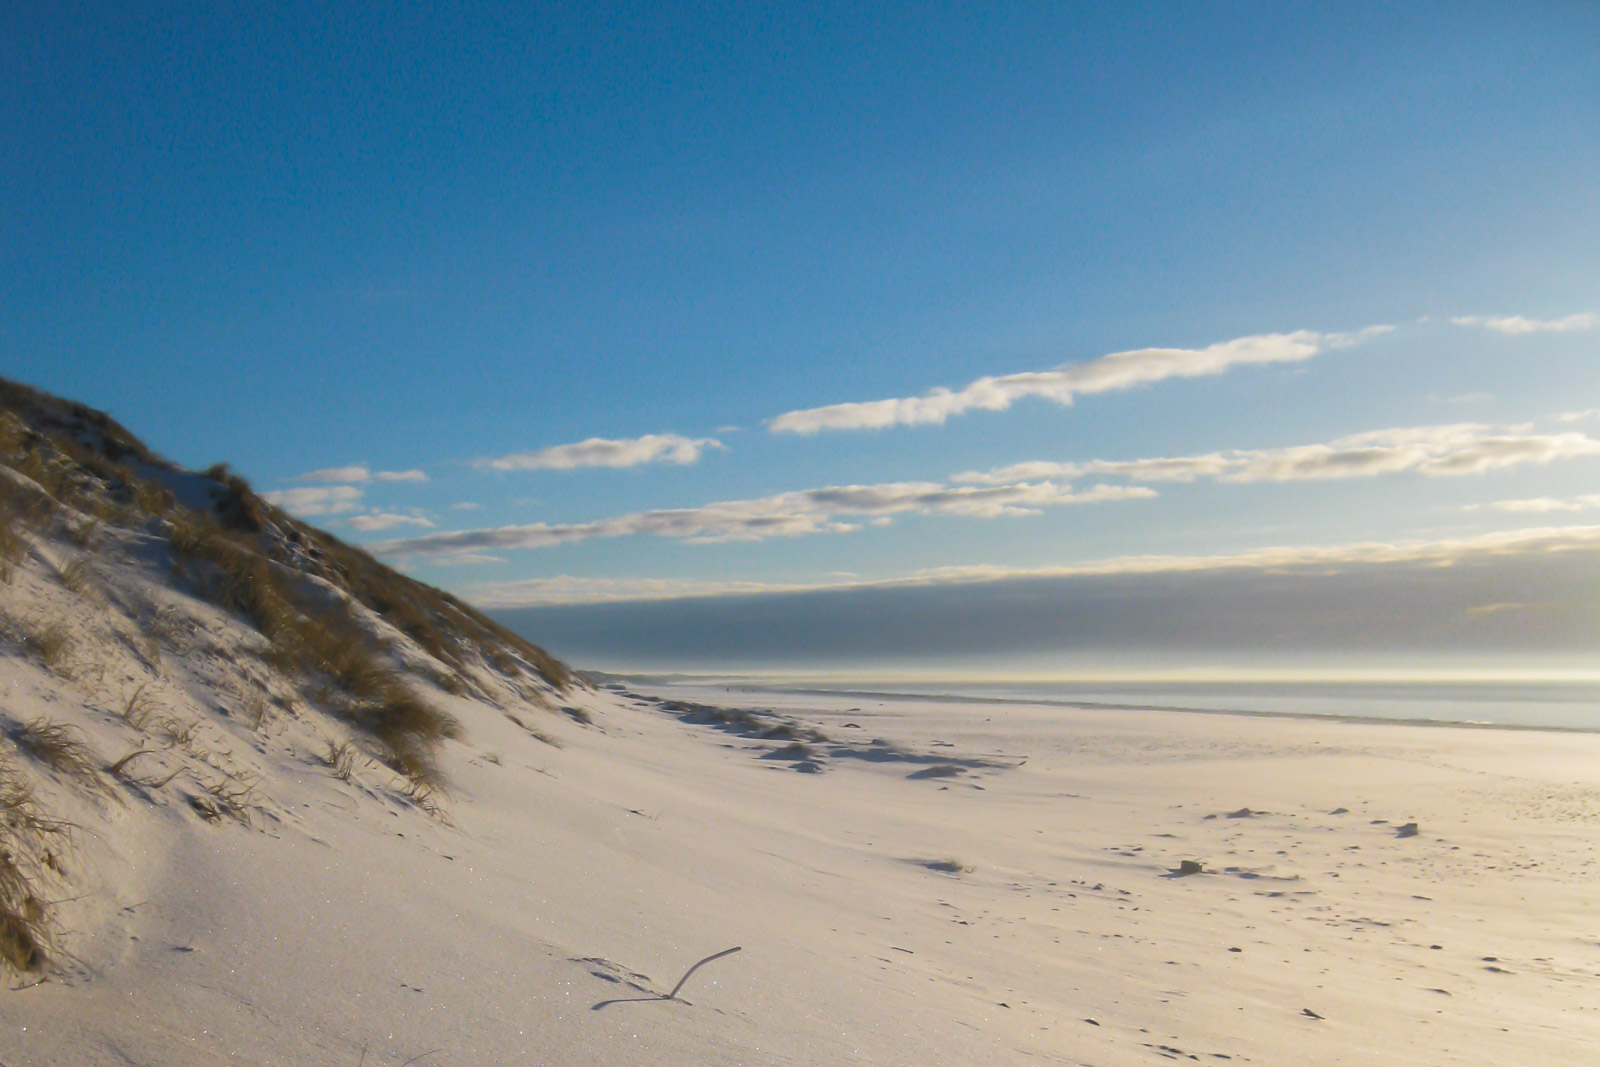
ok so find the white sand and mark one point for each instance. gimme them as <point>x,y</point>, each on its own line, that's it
<point>353,928</point>
<point>345,926</point>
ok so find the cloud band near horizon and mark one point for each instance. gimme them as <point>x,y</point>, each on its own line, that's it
<point>1027,488</point>
<point>571,590</point>
<point>1433,451</point>
<point>794,514</point>
<point>1514,593</point>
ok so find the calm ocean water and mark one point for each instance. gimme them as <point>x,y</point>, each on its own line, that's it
<point>1560,705</point>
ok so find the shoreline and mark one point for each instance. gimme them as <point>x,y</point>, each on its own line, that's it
<point>1090,705</point>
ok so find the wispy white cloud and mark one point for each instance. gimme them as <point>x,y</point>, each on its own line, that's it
<point>344,492</point>
<point>608,452</point>
<point>1514,325</point>
<point>1316,559</point>
<point>360,473</point>
<point>321,500</point>
<point>386,520</point>
<point>1117,371</point>
<point>1544,504</point>
<point>1463,448</point>
<point>353,474</point>
<point>466,505</point>
<point>466,559</point>
<point>793,514</point>
<point>1578,416</point>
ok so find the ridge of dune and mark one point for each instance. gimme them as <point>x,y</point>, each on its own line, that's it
<point>171,639</point>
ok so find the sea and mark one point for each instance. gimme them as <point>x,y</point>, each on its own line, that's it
<point>1555,705</point>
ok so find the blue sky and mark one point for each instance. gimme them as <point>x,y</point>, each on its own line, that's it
<point>429,249</point>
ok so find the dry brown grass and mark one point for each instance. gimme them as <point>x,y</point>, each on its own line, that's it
<point>409,729</point>
<point>149,650</point>
<point>341,759</point>
<point>544,738</point>
<point>337,646</point>
<point>242,579</point>
<point>426,797</point>
<point>12,546</point>
<point>74,453</point>
<point>123,769</point>
<point>31,846</point>
<point>115,441</point>
<point>52,645</point>
<point>13,434</point>
<point>157,628</point>
<point>119,766</point>
<point>189,534</point>
<point>85,534</point>
<point>58,747</point>
<point>176,732</point>
<point>75,575</point>
<point>238,506</point>
<point>140,708</point>
<point>377,699</point>
<point>230,798</point>
<point>443,626</point>
<point>49,470</point>
<point>149,498</point>
<point>251,588</point>
<point>28,505</point>
<point>15,515</point>
<point>104,510</point>
<point>253,710</point>
<point>254,559</point>
<point>537,735</point>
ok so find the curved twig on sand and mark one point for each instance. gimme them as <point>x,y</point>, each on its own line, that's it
<point>714,956</point>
